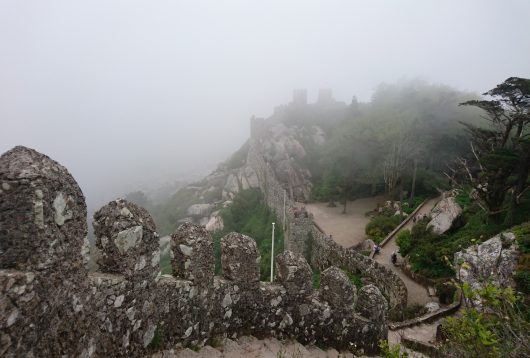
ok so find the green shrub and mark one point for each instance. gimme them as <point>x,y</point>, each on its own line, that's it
<point>249,215</point>
<point>522,278</point>
<point>316,279</point>
<point>418,199</point>
<point>404,241</point>
<point>499,329</point>
<point>380,226</point>
<point>156,342</point>
<point>393,351</point>
<point>446,292</point>
<point>355,279</point>
<point>522,234</point>
<point>463,199</point>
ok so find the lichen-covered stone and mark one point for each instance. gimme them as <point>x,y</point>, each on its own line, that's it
<point>494,260</point>
<point>444,214</point>
<point>293,272</point>
<point>372,304</point>
<point>127,240</point>
<point>336,288</point>
<point>42,214</point>
<point>192,254</point>
<point>240,260</point>
<point>43,290</point>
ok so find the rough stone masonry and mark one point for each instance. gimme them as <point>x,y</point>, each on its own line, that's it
<point>50,305</point>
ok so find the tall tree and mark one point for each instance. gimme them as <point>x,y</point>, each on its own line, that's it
<point>500,153</point>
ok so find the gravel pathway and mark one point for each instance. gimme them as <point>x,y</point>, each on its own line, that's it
<point>417,294</point>
<point>347,229</point>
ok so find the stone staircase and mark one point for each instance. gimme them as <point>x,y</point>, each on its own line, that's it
<point>251,347</point>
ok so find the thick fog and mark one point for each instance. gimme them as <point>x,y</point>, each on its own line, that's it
<point>128,94</point>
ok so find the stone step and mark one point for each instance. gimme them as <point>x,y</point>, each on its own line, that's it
<point>251,347</point>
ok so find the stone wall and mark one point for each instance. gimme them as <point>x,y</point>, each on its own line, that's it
<point>324,252</point>
<point>51,306</point>
<point>304,238</point>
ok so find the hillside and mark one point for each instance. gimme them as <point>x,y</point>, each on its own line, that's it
<point>329,150</point>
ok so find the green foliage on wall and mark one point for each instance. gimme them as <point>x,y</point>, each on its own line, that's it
<point>248,214</point>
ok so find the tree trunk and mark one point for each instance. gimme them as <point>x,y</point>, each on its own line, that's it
<point>520,186</point>
<point>401,199</point>
<point>413,189</point>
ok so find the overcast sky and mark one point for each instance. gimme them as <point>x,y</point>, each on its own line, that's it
<point>127,92</point>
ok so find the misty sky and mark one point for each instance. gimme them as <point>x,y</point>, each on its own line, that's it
<point>127,92</point>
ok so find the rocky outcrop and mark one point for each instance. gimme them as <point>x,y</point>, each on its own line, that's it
<point>494,260</point>
<point>215,222</point>
<point>444,214</point>
<point>281,148</point>
<point>200,210</point>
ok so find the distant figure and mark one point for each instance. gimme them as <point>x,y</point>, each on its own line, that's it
<point>393,258</point>
<point>414,219</point>
<point>377,249</point>
<point>330,237</point>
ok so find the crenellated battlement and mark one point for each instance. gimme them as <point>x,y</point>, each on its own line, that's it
<point>51,305</point>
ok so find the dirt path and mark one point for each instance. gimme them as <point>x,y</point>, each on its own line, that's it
<point>347,229</point>
<point>417,294</point>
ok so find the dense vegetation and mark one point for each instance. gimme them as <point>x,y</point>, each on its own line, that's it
<point>427,251</point>
<point>397,144</point>
<point>492,177</point>
<point>249,215</point>
<point>380,226</point>
<point>498,327</point>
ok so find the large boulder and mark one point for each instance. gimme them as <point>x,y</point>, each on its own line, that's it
<point>215,222</point>
<point>200,210</point>
<point>444,214</point>
<point>494,260</point>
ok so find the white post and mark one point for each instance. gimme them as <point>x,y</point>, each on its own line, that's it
<point>284,197</point>
<point>272,254</point>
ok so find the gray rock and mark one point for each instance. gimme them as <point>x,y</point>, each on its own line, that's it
<point>232,184</point>
<point>200,210</point>
<point>215,222</point>
<point>193,254</point>
<point>294,273</point>
<point>336,288</point>
<point>444,214</point>
<point>124,233</point>
<point>371,303</point>
<point>494,260</point>
<point>432,307</point>
<point>240,260</point>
